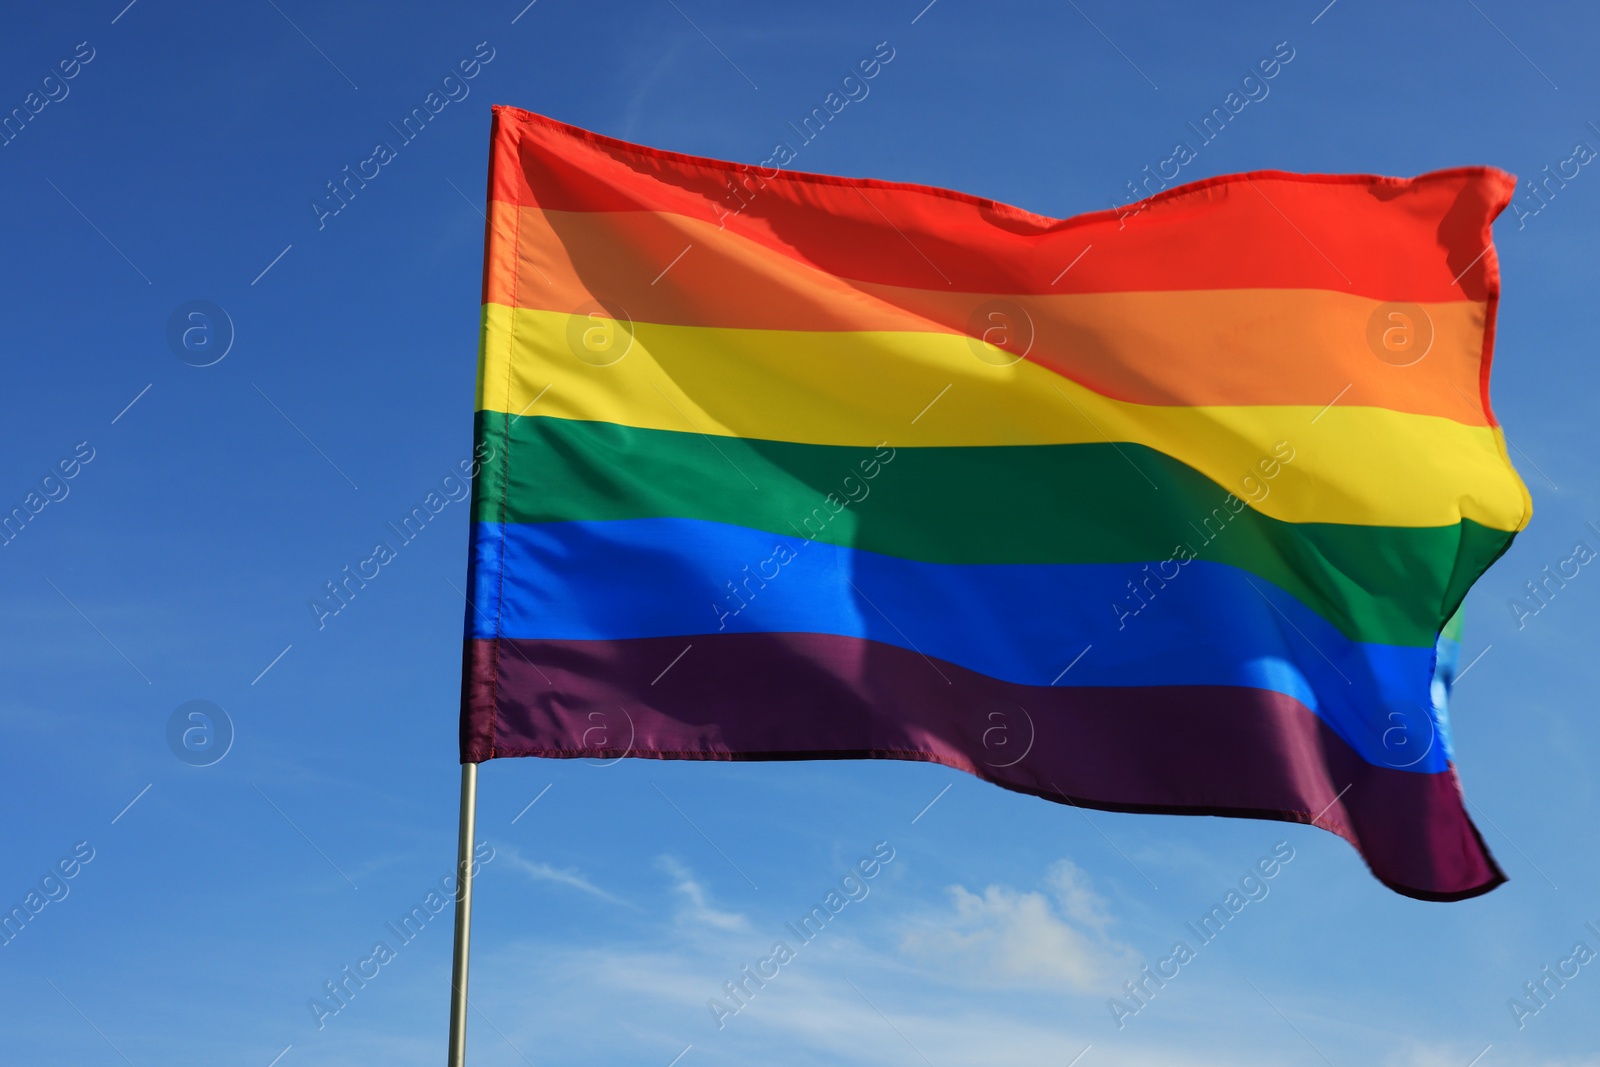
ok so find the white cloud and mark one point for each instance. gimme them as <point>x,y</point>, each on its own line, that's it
<point>847,1006</point>
<point>696,902</point>
<point>543,872</point>
<point>1056,938</point>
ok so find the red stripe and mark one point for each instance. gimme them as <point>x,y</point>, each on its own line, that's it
<point>1388,238</point>
<point>1210,750</point>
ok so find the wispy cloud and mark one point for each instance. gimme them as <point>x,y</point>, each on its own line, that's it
<point>648,87</point>
<point>1056,937</point>
<point>696,905</point>
<point>543,872</point>
<point>812,1013</point>
<point>1003,985</point>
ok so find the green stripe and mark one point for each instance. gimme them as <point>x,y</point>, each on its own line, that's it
<point>1082,503</point>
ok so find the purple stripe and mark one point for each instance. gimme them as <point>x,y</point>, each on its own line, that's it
<point>1200,750</point>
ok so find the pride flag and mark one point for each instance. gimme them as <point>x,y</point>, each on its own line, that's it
<point>1160,509</point>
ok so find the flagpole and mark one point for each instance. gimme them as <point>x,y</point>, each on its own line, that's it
<point>458,966</point>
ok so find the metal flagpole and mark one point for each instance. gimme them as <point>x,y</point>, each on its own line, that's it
<point>458,967</point>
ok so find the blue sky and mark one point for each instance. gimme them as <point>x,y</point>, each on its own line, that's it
<point>179,163</point>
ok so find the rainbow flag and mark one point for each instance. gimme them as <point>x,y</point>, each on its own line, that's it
<point>1160,509</point>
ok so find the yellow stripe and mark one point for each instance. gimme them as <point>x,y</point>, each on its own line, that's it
<point>1148,347</point>
<point>1364,466</point>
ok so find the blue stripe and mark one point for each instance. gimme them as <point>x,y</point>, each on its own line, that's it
<point>1210,624</point>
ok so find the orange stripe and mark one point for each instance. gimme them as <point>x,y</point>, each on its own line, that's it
<point>1185,347</point>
